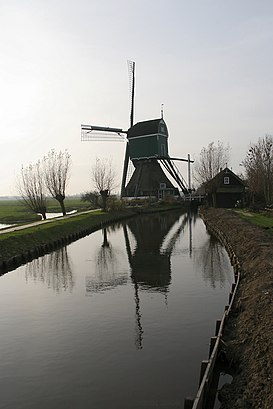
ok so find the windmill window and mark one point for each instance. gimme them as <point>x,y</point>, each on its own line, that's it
<point>226,180</point>
<point>162,185</point>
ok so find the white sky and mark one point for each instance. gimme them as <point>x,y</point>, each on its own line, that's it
<point>63,63</point>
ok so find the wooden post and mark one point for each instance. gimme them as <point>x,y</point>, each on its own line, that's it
<point>204,365</point>
<point>188,403</point>
<point>230,297</point>
<point>218,324</point>
<point>212,343</point>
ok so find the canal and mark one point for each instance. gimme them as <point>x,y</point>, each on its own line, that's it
<point>119,319</point>
<point>4,225</point>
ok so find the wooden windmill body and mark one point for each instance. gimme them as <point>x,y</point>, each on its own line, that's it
<point>147,150</point>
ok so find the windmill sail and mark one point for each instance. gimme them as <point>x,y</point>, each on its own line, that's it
<point>147,149</point>
<point>100,133</point>
<point>131,69</point>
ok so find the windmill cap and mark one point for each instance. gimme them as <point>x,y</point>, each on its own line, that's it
<point>151,127</point>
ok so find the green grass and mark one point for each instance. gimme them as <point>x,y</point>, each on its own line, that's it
<point>21,241</point>
<point>14,211</point>
<point>71,203</point>
<point>264,220</point>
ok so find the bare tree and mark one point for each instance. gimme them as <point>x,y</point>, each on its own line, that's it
<point>32,189</point>
<point>57,167</point>
<point>91,197</point>
<point>211,160</point>
<point>103,177</point>
<point>259,169</point>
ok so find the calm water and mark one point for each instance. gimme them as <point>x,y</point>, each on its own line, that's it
<point>3,226</point>
<point>48,216</point>
<point>54,215</point>
<point>118,319</point>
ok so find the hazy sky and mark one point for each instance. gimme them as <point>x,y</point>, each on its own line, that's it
<point>63,63</point>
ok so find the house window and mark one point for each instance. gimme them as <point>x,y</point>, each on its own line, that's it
<point>226,180</point>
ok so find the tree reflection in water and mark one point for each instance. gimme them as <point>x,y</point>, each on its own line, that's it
<point>211,260</point>
<point>53,269</point>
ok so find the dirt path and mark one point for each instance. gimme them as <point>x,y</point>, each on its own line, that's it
<point>248,336</point>
<point>27,225</point>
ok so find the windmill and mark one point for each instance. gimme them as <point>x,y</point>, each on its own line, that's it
<point>147,150</point>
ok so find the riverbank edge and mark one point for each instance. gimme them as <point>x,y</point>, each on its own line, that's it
<point>22,246</point>
<point>246,347</point>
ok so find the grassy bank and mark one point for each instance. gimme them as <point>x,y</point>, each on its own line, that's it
<point>19,246</point>
<point>246,350</point>
<point>28,241</point>
<point>264,220</point>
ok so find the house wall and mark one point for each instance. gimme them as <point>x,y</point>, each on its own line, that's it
<point>225,190</point>
<point>227,200</point>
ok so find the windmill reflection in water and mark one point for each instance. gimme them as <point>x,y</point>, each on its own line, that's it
<point>149,243</point>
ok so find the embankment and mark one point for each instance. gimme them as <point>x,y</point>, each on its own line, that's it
<point>20,246</point>
<point>25,244</point>
<point>247,346</point>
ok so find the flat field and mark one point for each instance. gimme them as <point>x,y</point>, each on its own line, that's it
<point>262,219</point>
<point>14,211</point>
